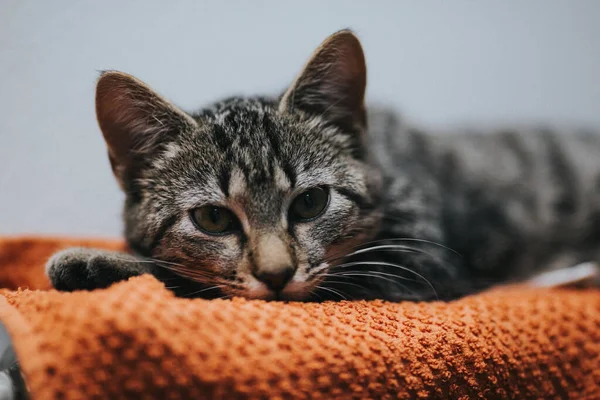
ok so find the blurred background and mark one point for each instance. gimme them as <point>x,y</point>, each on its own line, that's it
<point>440,63</point>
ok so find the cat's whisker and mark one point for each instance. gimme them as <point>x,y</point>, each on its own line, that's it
<point>192,275</point>
<point>145,260</point>
<point>387,246</point>
<point>392,248</point>
<point>224,297</point>
<point>313,293</point>
<point>185,268</point>
<point>197,279</point>
<point>357,285</point>
<point>344,283</point>
<point>134,261</point>
<point>336,292</point>
<point>399,248</point>
<point>346,273</point>
<point>174,278</point>
<point>168,262</point>
<point>371,276</point>
<point>386,264</point>
<point>425,241</point>
<point>358,246</point>
<point>182,269</point>
<point>162,263</point>
<point>377,275</point>
<point>205,290</point>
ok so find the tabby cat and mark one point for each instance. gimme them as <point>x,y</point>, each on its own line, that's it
<point>309,196</point>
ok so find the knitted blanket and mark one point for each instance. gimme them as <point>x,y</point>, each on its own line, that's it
<point>136,340</point>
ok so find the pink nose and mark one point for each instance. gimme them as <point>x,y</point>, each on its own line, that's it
<point>276,280</point>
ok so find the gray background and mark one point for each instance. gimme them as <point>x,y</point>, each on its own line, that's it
<point>440,62</point>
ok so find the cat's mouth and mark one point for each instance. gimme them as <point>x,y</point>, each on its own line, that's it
<point>301,287</point>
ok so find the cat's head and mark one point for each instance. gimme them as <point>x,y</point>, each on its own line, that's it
<point>254,196</point>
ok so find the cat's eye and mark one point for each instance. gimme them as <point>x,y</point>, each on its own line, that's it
<point>214,220</point>
<point>309,205</point>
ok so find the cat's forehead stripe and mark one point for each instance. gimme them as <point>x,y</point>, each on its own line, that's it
<point>237,184</point>
<point>247,134</point>
<point>282,182</point>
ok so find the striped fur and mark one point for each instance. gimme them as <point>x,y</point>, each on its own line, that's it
<point>411,215</point>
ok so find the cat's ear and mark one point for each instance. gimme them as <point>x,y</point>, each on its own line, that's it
<point>332,83</point>
<point>135,122</point>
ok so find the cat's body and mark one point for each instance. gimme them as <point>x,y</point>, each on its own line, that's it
<point>511,202</point>
<point>295,198</point>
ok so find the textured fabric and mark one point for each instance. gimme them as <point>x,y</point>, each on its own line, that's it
<point>136,340</point>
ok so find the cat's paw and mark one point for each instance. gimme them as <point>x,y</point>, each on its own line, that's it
<point>87,269</point>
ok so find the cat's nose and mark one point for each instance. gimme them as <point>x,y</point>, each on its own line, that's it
<point>276,280</point>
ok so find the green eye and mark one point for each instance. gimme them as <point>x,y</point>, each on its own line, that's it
<point>309,204</point>
<point>214,220</point>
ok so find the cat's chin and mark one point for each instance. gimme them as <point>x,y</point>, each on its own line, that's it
<point>294,291</point>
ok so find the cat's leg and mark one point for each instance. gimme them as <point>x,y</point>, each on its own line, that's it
<point>88,269</point>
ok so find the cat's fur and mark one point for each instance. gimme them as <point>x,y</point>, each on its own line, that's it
<point>411,215</point>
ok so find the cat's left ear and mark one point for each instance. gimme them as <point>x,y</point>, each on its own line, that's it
<point>332,83</point>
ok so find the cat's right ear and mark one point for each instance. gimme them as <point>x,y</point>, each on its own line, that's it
<point>332,83</point>
<point>135,121</point>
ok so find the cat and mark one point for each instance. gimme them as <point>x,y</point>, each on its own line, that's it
<point>311,196</point>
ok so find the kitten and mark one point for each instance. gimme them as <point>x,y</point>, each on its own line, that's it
<point>298,198</point>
